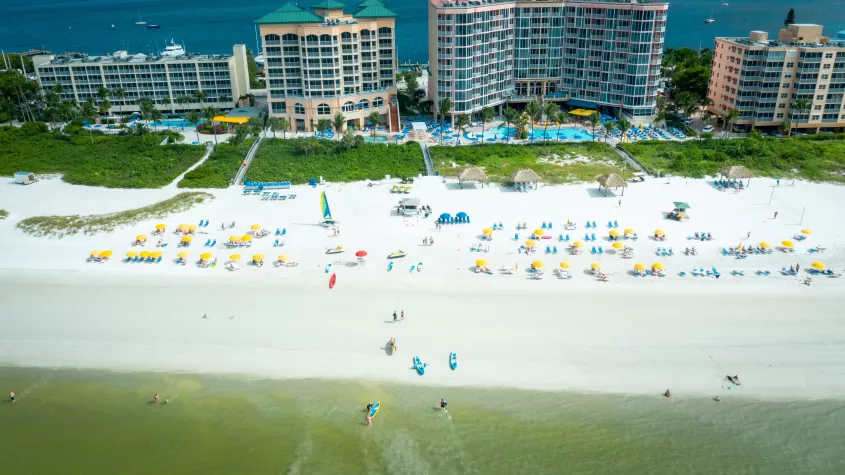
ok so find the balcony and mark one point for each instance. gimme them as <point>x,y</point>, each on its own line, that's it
<point>520,98</point>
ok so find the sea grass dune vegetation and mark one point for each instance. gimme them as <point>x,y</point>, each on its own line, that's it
<point>95,160</point>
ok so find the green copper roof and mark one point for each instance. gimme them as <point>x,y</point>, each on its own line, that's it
<point>374,3</point>
<point>375,11</point>
<point>328,5</point>
<point>289,13</point>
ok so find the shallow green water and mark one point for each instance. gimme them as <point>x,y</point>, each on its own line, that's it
<point>97,422</point>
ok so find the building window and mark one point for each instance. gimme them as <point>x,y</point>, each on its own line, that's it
<point>298,109</point>
<point>324,109</point>
<point>780,115</point>
<point>820,98</point>
<point>790,65</point>
<point>348,107</point>
<point>828,55</point>
<point>783,96</point>
<point>824,76</point>
<point>786,84</point>
<point>378,102</point>
<point>279,107</point>
<point>826,66</point>
<point>817,108</point>
<point>781,106</point>
<point>822,86</point>
<point>787,75</point>
<point>363,104</point>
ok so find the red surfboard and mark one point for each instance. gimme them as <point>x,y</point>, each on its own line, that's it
<point>332,281</point>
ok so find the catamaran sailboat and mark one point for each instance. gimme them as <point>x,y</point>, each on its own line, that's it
<point>327,214</point>
<point>140,20</point>
<point>710,18</point>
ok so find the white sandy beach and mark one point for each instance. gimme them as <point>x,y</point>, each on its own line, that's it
<point>629,335</point>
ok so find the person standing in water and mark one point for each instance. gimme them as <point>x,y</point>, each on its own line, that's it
<point>157,398</point>
<point>11,397</point>
<point>443,404</point>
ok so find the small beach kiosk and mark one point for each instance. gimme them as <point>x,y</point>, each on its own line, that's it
<point>475,174</point>
<point>611,180</point>
<point>25,178</point>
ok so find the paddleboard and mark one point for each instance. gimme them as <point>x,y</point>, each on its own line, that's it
<point>374,409</point>
<point>390,267</point>
<point>453,360</point>
<point>413,268</point>
<point>328,268</point>
<point>332,281</point>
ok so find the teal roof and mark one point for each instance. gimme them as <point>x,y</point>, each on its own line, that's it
<point>289,13</point>
<point>370,3</point>
<point>328,5</point>
<point>375,11</point>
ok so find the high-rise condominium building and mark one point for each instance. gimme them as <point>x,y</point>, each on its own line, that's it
<point>594,54</point>
<point>170,79</point>
<point>768,81</point>
<point>325,62</point>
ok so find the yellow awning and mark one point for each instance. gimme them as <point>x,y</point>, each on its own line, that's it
<point>234,238</point>
<point>613,233</point>
<point>582,112</point>
<point>530,243</point>
<point>629,231</point>
<point>161,226</point>
<point>255,227</point>
<point>141,237</point>
<point>788,244</point>
<point>106,254</point>
<point>806,231</point>
<point>231,120</point>
<point>187,238</point>
<point>132,254</point>
<point>96,253</point>
<point>577,244</point>
<point>193,227</point>
<point>156,254</point>
<point>539,232</point>
<point>258,257</point>
<point>246,237</point>
<point>283,257</point>
<point>182,226</point>
<point>487,231</point>
<point>659,232</point>
<point>145,254</point>
<point>765,245</point>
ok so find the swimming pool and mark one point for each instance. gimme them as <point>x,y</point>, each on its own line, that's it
<point>180,123</point>
<point>376,139</point>
<point>568,133</point>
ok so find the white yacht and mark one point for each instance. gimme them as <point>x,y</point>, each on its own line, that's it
<point>709,20</point>
<point>140,20</point>
<point>173,50</point>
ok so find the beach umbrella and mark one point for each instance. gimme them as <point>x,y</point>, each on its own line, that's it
<point>659,232</point>
<point>145,254</point>
<point>657,265</point>
<point>187,238</point>
<point>613,233</point>
<point>106,254</point>
<point>481,263</point>
<point>361,254</point>
<point>192,227</point>
<point>765,245</point>
<point>565,265</point>
<point>595,266</point>
<point>257,257</point>
<point>283,257</point>
<point>639,266</point>
<point>539,232</point>
<point>246,238</point>
<point>629,231</point>
<point>155,254</point>
<point>234,238</point>
<point>530,243</point>
<point>617,245</point>
<point>182,227</point>
<point>788,244</point>
<point>255,227</point>
<point>806,231</point>
<point>132,254</point>
<point>235,257</point>
<point>461,215</point>
<point>818,265</point>
<point>487,231</point>
<point>182,254</point>
<point>96,253</point>
<point>205,256</point>
<point>141,237</point>
<point>577,244</point>
<point>537,264</point>
<point>161,227</point>
<point>445,216</point>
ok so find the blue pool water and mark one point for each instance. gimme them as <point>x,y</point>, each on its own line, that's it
<point>376,139</point>
<point>552,133</point>
<point>180,123</point>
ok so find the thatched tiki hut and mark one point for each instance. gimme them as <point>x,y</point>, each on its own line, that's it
<point>472,174</point>
<point>611,180</point>
<point>526,175</point>
<point>736,172</point>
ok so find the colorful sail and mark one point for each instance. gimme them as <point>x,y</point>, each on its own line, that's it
<point>324,205</point>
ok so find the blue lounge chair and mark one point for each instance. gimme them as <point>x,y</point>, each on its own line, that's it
<point>586,237</point>
<point>566,238</point>
<point>593,250</point>
<point>682,274</point>
<point>278,231</point>
<point>467,219</point>
<point>550,225</point>
<point>554,250</point>
<point>588,224</point>
<point>158,260</point>
<point>594,224</point>
<point>593,235</point>
<point>560,237</point>
<point>601,250</point>
<point>515,236</point>
<point>544,225</point>
<point>609,224</point>
<point>214,243</point>
<point>615,224</point>
<point>276,244</point>
<point>284,231</point>
<point>207,243</point>
<point>548,250</point>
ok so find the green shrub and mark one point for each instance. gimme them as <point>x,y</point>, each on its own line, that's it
<point>34,128</point>
<point>218,168</point>
<point>816,157</point>
<point>500,160</point>
<point>283,160</point>
<point>110,161</point>
<point>4,214</point>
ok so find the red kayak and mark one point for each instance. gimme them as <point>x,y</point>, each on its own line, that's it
<point>332,281</point>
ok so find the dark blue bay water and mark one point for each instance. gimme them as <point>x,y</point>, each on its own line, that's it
<point>212,26</point>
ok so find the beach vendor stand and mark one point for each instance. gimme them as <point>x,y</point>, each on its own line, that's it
<point>680,211</point>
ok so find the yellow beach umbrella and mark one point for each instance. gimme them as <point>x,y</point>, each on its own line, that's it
<point>161,226</point>
<point>613,233</point>
<point>629,231</point>
<point>565,265</point>
<point>235,257</point>
<point>487,231</point>
<point>806,231</point>
<point>182,227</point>
<point>193,227</point>
<point>639,266</point>
<point>141,237</point>
<point>481,263</point>
<point>205,256</point>
<point>659,232</point>
<point>657,265</point>
<point>617,245</point>
<point>765,245</point>
<point>96,253</point>
<point>530,243</point>
<point>595,266</point>
<point>258,257</point>
<point>255,227</point>
<point>106,254</point>
<point>577,244</point>
<point>246,237</point>
<point>182,254</point>
<point>283,257</point>
<point>539,232</point>
<point>132,254</point>
<point>187,238</point>
<point>818,265</point>
<point>537,264</point>
<point>155,254</point>
<point>234,238</point>
<point>788,244</point>
<point>145,254</point>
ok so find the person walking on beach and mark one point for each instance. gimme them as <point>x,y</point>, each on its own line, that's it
<point>620,203</point>
<point>394,316</point>
<point>776,215</point>
<point>749,235</point>
<point>797,267</point>
<point>205,316</point>
<point>369,419</point>
<point>403,315</point>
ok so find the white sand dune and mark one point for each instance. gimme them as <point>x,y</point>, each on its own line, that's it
<point>630,335</point>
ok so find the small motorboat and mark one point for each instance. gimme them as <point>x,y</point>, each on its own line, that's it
<point>374,409</point>
<point>453,361</point>
<point>419,366</point>
<point>397,254</point>
<point>335,250</point>
<point>153,27</point>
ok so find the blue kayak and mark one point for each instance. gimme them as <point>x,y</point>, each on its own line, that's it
<point>390,267</point>
<point>374,409</point>
<point>453,360</point>
<point>418,365</point>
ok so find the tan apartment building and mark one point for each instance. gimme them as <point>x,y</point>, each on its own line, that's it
<point>322,61</point>
<point>762,79</point>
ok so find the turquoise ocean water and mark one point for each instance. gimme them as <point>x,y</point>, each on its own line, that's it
<point>213,26</point>
<point>71,421</point>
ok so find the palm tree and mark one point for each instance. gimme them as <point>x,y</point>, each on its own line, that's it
<point>487,115</point>
<point>800,106</point>
<point>210,113</point>
<point>103,93</point>
<point>120,95</point>
<point>195,117</point>
<point>88,108</point>
<point>533,110</point>
<point>786,127</point>
<point>595,120</point>
<point>256,126</point>
<point>154,115</point>
<point>462,121</point>
<point>551,110</point>
<point>444,108</point>
<point>104,107</point>
<point>284,125</point>
<point>730,117</point>
<point>562,118</point>
<point>325,124</point>
<point>166,101</point>
<point>338,122</point>
<point>608,126</point>
<point>241,131</point>
<point>624,126</point>
<point>509,115</point>
<point>375,118</point>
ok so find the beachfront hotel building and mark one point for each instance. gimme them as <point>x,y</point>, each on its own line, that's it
<point>163,78</point>
<point>322,61</point>
<point>763,78</point>
<point>599,54</point>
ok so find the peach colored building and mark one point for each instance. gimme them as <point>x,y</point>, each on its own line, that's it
<point>763,79</point>
<point>323,62</point>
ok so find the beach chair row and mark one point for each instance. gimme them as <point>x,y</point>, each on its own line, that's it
<point>665,252</point>
<point>149,259</point>
<point>700,272</point>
